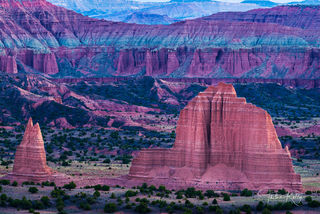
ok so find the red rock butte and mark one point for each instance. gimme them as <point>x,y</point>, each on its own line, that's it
<point>222,143</point>
<point>30,158</point>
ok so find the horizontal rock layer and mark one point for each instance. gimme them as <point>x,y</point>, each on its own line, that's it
<point>38,36</point>
<point>222,142</point>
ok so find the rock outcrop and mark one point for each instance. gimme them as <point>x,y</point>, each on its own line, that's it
<point>222,142</point>
<point>30,158</point>
<point>8,64</point>
<point>38,36</point>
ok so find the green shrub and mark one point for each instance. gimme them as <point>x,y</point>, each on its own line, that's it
<point>25,204</point>
<point>187,211</point>
<point>308,192</point>
<point>162,188</point>
<point>110,208</point>
<point>288,205</point>
<point>28,183</point>
<point>113,196</point>
<point>3,197</point>
<point>260,206</point>
<point>57,192</point>
<point>130,193</point>
<point>246,193</point>
<point>84,205</point>
<point>142,208</point>
<point>3,203</point>
<point>226,197</point>
<point>314,204</point>
<point>96,194</point>
<point>5,182</point>
<point>144,200</point>
<point>59,204</point>
<point>188,204</point>
<point>237,211</point>
<point>70,186</point>
<point>103,188</point>
<point>284,206</point>
<point>128,206</point>
<point>246,208</point>
<point>193,193</point>
<point>14,184</point>
<point>282,191</point>
<point>201,197</point>
<point>14,203</point>
<point>38,205</point>
<point>33,190</point>
<point>219,211</point>
<point>45,200</point>
<point>91,200</point>
<point>308,199</point>
<point>107,160</point>
<point>211,194</point>
<point>199,210</point>
<point>179,195</point>
<point>266,211</point>
<point>47,183</point>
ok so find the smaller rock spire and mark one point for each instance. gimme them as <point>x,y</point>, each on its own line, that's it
<point>30,158</point>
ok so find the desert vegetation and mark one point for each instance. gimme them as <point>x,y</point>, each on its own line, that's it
<point>145,199</point>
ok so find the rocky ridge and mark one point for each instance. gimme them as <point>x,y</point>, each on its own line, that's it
<point>37,36</point>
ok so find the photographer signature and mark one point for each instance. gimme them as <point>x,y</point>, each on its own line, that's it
<point>295,198</point>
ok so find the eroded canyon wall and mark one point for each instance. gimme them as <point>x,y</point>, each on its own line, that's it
<point>37,36</point>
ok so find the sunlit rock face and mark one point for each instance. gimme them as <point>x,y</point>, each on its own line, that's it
<point>30,158</point>
<point>222,142</point>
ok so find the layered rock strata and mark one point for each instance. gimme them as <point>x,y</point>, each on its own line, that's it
<point>222,142</point>
<point>37,36</point>
<point>30,158</point>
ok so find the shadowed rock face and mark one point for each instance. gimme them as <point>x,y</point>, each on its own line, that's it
<point>30,158</point>
<point>222,143</point>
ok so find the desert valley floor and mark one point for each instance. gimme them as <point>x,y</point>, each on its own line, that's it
<point>89,154</point>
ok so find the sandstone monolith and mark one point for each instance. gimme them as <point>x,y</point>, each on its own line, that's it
<point>222,142</point>
<point>30,158</point>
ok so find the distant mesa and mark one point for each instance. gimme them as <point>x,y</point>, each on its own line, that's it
<point>222,143</point>
<point>30,158</point>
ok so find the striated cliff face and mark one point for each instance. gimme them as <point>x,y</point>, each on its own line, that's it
<point>38,36</point>
<point>283,15</point>
<point>222,142</point>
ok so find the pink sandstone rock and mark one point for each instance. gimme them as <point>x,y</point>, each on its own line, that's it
<point>222,143</point>
<point>255,44</point>
<point>30,158</point>
<point>46,63</point>
<point>8,64</point>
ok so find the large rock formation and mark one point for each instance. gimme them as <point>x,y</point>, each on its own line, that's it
<point>222,142</point>
<point>38,36</point>
<point>30,158</point>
